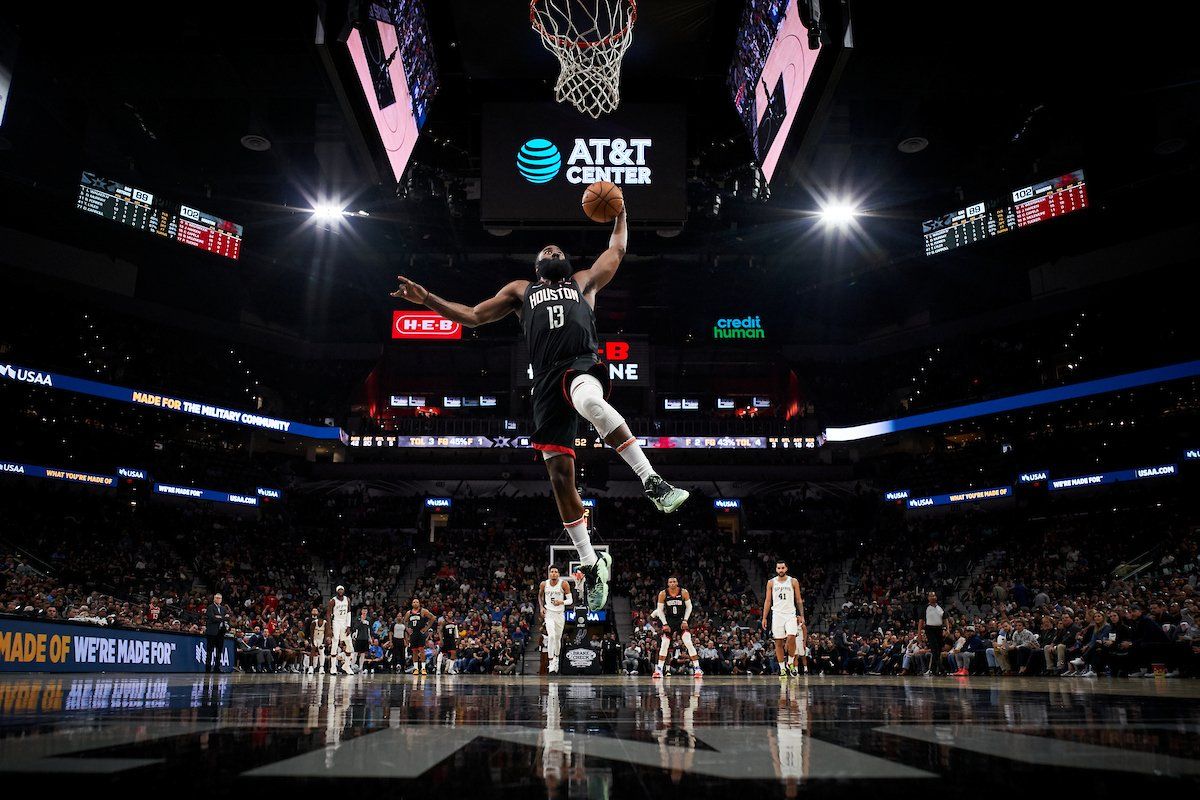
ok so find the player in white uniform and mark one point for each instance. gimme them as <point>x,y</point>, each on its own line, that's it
<point>554,595</point>
<point>783,599</point>
<point>791,729</point>
<point>337,611</point>
<point>315,632</point>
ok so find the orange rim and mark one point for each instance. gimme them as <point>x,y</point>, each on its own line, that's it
<point>580,44</point>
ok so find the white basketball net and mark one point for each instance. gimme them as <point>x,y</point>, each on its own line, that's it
<point>589,38</point>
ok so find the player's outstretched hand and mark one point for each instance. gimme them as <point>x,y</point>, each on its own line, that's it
<point>412,292</point>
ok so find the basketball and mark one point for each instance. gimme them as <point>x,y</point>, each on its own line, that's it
<point>603,201</point>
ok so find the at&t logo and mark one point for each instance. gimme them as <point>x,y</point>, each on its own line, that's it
<point>539,161</point>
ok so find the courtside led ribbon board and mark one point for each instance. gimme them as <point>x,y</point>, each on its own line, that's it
<point>1119,476</point>
<point>206,494</point>
<point>34,646</point>
<point>1117,383</point>
<point>972,496</point>
<point>67,383</point>
<point>424,325</point>
<point>54,473</point>
<point>645,442</point>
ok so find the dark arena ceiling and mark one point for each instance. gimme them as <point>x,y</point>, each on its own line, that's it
<point>162,98</point>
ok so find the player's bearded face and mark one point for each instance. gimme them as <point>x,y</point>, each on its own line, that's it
<point>555,267</point>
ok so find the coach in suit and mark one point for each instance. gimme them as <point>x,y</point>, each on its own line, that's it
<point>216,623</point>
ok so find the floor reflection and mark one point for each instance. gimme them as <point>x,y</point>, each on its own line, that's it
<point>601,737</point>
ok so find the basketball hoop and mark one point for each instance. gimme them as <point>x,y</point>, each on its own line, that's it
<point>589,38</point>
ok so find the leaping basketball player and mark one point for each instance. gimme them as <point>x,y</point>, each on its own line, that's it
<point>559,321</point>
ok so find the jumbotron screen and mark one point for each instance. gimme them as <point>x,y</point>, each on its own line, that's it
<point>140,209</point>
<point>771,69</point>
<point>1029,205</point>
<point>394,59</point>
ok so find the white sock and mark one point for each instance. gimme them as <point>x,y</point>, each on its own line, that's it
<point>583,542</point>
<point>632,453</point>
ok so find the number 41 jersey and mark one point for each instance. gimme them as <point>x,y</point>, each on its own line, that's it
<point>559,325</point>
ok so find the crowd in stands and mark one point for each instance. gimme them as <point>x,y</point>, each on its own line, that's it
<point>1071,595</point>
<point>1060,593</point>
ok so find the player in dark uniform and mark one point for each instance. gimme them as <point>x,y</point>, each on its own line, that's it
<point>419,620</point>
<point>569,380</point>
<point>448,645</point>
<point>673,609</point>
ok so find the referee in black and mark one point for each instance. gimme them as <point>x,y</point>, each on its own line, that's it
<point>933,625</point>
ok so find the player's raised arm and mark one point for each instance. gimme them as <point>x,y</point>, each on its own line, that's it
<point>594,279</point>
<point>506,301</point>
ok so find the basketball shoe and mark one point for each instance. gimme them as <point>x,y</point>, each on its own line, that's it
<point>595,578</point>
<point>666,498</point>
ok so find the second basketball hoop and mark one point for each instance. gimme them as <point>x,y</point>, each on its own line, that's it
<point>589,38</point>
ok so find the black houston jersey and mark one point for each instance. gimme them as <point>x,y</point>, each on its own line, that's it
<point>416,621</point>
<point>559,325</point>
<point>449,635</point>
<point>673,607</point>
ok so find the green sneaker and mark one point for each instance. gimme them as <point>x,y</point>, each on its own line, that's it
<point>596,579</point>
<point>666,498</point>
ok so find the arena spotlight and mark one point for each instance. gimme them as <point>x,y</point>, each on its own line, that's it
<point>838,214</point>
<point>327,212</point>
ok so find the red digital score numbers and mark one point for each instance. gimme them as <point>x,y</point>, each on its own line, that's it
<point>1059,201</point>
<point>1030,205</point>
<point>140,209</point>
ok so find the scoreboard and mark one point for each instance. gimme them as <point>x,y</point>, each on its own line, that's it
<point>140,209</point>
<point>1029,205</point>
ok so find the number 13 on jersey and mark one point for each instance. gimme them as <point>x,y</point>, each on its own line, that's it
<point>556,316</point>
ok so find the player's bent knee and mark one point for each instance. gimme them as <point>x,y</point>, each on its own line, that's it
<point>587,395</point>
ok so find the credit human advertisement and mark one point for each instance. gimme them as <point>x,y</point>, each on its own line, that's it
<point>36,646</point>
<point>739,328</point>
<point>67,383</point>
<point>539,157</point>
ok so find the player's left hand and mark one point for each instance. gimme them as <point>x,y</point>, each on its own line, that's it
<point>683,626</point>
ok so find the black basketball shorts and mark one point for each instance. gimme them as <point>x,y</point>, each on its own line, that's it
<point>554,417</point>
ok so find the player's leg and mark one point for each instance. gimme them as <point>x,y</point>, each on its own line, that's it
<point>596,568</point>
<point>587,396</point>
<point>692,652</point>
<point>779,633</point>
<point>554,634</point>
<point>791,654</point>
<point>663,647</point>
